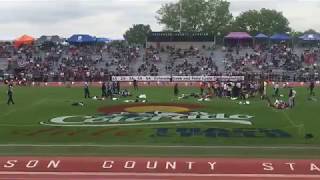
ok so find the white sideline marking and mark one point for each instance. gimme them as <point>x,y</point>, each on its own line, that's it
<point>243,122</point>
<point>46,178</point>
<point>159,146</point>
<point>91,178</point>
<point>159,174</point>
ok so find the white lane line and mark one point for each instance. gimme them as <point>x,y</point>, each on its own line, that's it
<point>162,146</point>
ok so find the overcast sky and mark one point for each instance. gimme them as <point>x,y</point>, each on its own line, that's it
<point>110,18</point>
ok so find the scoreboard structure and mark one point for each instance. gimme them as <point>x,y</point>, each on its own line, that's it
<point>183,40</point>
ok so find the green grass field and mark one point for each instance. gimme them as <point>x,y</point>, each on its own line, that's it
<point>22,134</point>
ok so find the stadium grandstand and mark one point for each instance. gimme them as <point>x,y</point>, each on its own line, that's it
<point>182,54</point>
<point>203,93</point>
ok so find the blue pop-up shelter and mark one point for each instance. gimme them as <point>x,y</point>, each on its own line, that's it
<point>103,40</point>
<point>81,39</point>
<point>261,36</point>
<point>261,39</point>
<point>280,37</point>
<point>310,37</point>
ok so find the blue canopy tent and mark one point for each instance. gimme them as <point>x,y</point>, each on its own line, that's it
<point>309,40</point>
<point>310,37</point>
<point>261,36</point>
<point>280,37</point>
<point>81,39</point>
<point>261,39</point>
<point>103,40</point>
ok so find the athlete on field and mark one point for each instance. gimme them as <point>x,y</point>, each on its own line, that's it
<point>311,88</point>
<point>276,90</point>
<point>103,90</point>
<point>135,84</point>
<point>292,96</point>
<point>176,89</point>
<point>86,90</point>
<point>10,95</point>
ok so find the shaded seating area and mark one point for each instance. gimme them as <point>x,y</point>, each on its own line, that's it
<point>238,39</point>
<point>49,39</point>
<point>261,40</point>
<point>261,36</point>
<point>280,37</point>
<point>310,37</point>
<point>79,39</point>
<point>102,40</point>
<point>309,40</point>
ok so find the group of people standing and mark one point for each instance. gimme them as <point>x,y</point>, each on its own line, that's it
<point>110,88</point>
<point>243,91</point>
<point>107,89</point>
<point>292,93</point>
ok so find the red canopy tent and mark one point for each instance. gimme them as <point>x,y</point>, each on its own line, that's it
<point>24,40</point>
<point>238,35</point>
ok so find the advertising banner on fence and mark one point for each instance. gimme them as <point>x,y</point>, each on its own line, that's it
<point>177,78</point>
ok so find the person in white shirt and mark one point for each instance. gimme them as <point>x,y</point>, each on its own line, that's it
<point>265,85</point>
<point>292,96</point>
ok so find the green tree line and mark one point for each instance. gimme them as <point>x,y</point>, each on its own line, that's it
<point>212,16</point>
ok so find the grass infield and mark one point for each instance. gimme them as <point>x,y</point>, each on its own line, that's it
<point>20,124</point>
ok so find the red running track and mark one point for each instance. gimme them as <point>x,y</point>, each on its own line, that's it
<point>134,168</point>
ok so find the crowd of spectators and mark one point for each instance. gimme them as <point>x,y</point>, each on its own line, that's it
<point>279,62</point>
<point>148,69</point>
<point>59,62</point>
<point>62,62</point>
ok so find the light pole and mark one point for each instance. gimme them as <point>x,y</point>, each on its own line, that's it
<point>215,38</point>
<point>180,15</point>
<point>291,35</point>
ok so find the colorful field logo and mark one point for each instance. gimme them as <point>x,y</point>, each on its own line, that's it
<point>141,109</point>
<point>150,107</point>
<point>150,118</point>
<point>151,114</point>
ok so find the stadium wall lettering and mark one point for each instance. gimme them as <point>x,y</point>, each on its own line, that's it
<point>204,166</point>
<point>151,84</point>
<point>177,78</point>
